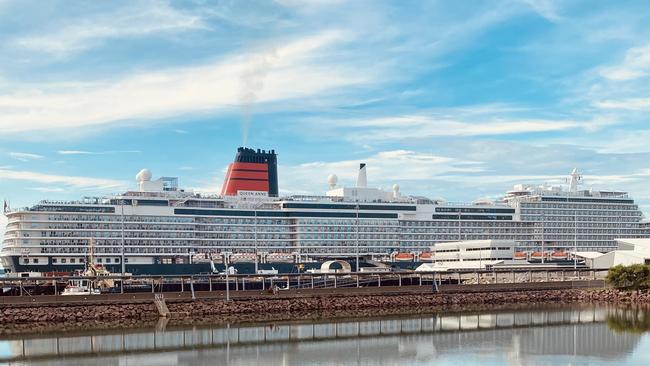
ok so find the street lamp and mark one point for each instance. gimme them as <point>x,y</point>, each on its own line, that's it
<point>258,205</point>
<point>543,252</point>
<point>357,224</point>
<point>575,239</point>
<point>123,264</point>
<point>459,224</point>
<point>225,260</point>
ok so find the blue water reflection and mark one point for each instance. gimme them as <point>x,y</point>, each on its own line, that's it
<point>571,336</point>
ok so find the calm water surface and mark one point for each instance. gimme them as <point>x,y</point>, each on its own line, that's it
<point>567,336</point>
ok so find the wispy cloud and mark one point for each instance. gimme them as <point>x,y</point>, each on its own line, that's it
<point>47,189</point>
<point>545,8</point>
<point>423,126</point>
<point>636,64</point>
<point>74,181</point>
<point>25,156</point>
<point>294,72</point>
<point>84,152</point>
<point>138,19</point>
<point>382,168</point>
<point>636,104</point>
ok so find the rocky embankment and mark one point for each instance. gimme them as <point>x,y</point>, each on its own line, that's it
<point>126,315</point>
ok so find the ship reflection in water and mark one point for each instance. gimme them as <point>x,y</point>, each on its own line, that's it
<point>566,336</point>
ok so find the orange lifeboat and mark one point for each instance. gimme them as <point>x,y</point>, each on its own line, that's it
<point>404,257</point>
<point>426,256</point>
<point>559,255</point>
<point>537,255</point>
<point>520,256</point>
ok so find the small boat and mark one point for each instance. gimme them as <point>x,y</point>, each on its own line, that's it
<point>426,256</point>
<point>80,287</point>
<point>559,255</point>
<point>279,258</point>
<point>537,255</point>
<point>242,257</point>
<point>87,286</point>
<point>520,256</point>
<point>404,257</point>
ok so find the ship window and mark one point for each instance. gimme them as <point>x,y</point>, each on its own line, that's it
<point>35,260</point>
<point>99,260</point>
<point>63,260</point>
<point>54,260</point>
<point>72,260</point>
<point>108,260</point>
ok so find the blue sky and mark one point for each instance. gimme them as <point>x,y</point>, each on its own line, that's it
<point>458,100</point>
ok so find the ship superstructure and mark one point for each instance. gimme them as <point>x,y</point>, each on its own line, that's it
<point>160,228</point>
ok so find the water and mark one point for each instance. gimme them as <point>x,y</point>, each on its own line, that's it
<point>567,336</point>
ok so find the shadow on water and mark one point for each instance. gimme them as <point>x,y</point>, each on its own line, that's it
<point>583,334</point>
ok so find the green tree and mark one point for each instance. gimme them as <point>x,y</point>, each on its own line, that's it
<point>635,276</point>
<point>617,276</point>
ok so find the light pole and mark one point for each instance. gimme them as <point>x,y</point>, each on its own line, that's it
<point>459,224</point>
<point>258,205</point>
<point>543,253</point>
<point>357,224</point>
<point>122,260</point>
<point>575,239</point>
<point>225,260</point>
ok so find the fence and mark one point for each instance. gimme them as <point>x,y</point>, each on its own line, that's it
<point>35,286</point>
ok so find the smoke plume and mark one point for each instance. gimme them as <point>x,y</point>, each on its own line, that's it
<point>252,84</point>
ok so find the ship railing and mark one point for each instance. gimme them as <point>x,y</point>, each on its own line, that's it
<point>473,204</point>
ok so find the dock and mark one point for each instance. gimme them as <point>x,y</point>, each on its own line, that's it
<point>161,289</point>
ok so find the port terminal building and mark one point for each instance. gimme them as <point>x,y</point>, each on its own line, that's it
<point>629,251</point>
<point>470,255</point>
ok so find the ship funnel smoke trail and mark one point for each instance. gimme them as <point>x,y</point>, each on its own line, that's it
<point>252,84</point>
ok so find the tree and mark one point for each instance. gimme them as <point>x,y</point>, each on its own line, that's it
<point>635,276</point>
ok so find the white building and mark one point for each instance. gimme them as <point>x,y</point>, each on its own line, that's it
<point>630,251</point>
<point>470,254</point>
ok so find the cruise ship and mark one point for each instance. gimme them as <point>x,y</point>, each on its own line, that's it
<point>161,229</point>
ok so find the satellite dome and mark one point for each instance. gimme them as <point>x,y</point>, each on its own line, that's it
<point>143,175</point>
<point>332,179</point>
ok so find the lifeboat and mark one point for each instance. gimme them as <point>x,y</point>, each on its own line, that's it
<point>520,256</point>
<point>426,257</point>
<point>200,258</point>
<point>404,257</point>
<point>537,256</point>
<point>216,258</point>
<point>242,257</point>
<point>559,255</point>
<point>279,257</point>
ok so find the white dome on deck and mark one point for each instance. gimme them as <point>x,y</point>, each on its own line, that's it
<point>332,180</point>
<point>143,175</point>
